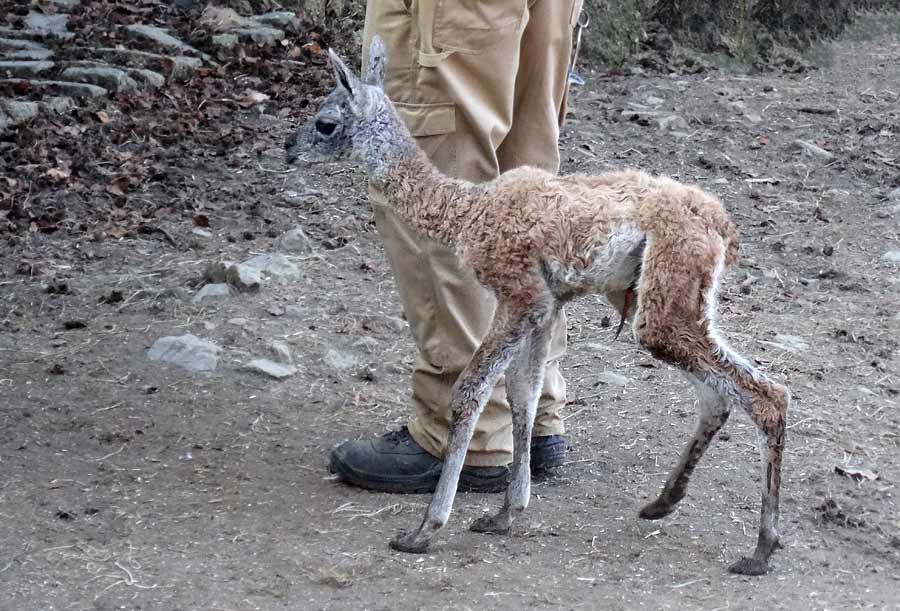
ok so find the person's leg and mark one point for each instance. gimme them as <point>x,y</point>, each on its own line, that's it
<point>533,140</point>
<point>459,104</point>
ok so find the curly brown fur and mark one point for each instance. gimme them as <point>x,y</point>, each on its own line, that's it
<point>539,240</point>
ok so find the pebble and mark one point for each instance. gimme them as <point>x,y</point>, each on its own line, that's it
<point>212,292</point>
<point>271,368</point>
<point>891,256</point>
<point>295,241</point>
<point>813,150</point>
<point>186,351</point>
<point>282,352</point>
<point>339,359</point>
<point>612,378</point>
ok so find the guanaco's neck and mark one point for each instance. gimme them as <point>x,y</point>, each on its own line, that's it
<point>429,201</point>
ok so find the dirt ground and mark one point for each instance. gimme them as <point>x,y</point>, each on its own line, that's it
<point>125,484</point>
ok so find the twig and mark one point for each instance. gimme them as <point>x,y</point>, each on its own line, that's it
<point>102,458</point>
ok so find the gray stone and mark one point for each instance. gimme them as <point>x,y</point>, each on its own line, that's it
<point>66,4</point>
<point>261,35</point>
<point>154,79</point>
<point>281,19</point>
<point>159,36</point>
<point>59,105</point>
<point>277,267</point>
<point>74,90</point>
<point>282,353</point>
<point>339,359</point>
<point>201,233</point>
<point>47,24</point>
<point>294,311</point>
<point>32,34</point>
<point>812,150</point>
<point>612,378</point>
<point>185,351</point>
<point>4,121</point>
<point>891,256</point>
<point>243,278</point>
<point>109,78</point>
<point>672,123</point>
<point>271,368</point>
<point>225,41</point>
<point>19,112</point>
<point>183,68</point>
<point>212,292</point>
<point>295,241</point>
<point>24,69</point>
<point>894,195</point>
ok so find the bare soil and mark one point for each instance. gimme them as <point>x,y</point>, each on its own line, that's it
<point>125,484</point>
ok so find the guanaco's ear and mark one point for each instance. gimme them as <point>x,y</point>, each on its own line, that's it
<point>375,64</point>
<point>342,73</point>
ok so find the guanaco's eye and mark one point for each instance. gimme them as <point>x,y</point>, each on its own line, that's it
<point>326,128</point>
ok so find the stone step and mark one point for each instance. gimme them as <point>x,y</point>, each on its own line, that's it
<point>26,55</point>
<point>15,112</point>
<point>160,37</point>
<point>177,68</point>
<point>24,69</point>
<point>33,35</point>
<point>52,25</point>
<point>140,75</point>
<point>18,44</point>
<point>112,79</point>
<point>59,88</point>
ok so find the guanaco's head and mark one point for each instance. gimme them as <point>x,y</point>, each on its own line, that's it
<point>350,118</point>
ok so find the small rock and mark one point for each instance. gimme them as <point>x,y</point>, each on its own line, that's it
<point>612,378</point>
<point>57,104</point>
<point>277,267</point>
<point>109,78</point>
<point>295,241</point>
<point>275,310</point>
<point>225,41</point>
<point>271,368</point>
<point>154,79</point>
<point>813,151</point>
<point>894,195</point>
<point>282,353</point>
<point>261,35</point>
<point>47,24</point>
<point>185,351</point>
<point>20,112</point>
<point>212,292</point>
<point>237,322</point>
<point>243,278</point>
<point>294,311</point>
<point>891,256</point>
<point>159,36</point>
<point>216,271</point>
<point>282,19</point>
<point>672,123</point>
<point>338,359</point>
<point>201,233</point>
<point>652,100</point>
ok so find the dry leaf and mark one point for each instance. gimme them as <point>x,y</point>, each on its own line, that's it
<point>104,118</point>
<point>118,186</point>
<point>201,220</point>
<point>63,172</point>
<point>313,47</point>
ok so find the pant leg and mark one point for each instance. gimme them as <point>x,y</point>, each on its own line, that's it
<point>540,93</point>
<point>453,76</point>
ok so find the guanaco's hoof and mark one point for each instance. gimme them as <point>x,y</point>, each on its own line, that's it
<point>489,524</point>
<point>656,510</point>
<point>749,566</point>
<point>405,542</point>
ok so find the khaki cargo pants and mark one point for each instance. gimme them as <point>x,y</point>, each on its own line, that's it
<point>481,84</point>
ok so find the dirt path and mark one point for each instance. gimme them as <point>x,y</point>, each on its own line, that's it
<point>125,484</point>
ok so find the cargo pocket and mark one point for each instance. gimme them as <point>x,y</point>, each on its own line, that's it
<point>470,26</point>
<point>433,126</point>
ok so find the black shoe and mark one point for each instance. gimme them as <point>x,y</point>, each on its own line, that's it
<point>547,453</point>
<point>396,463</point>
